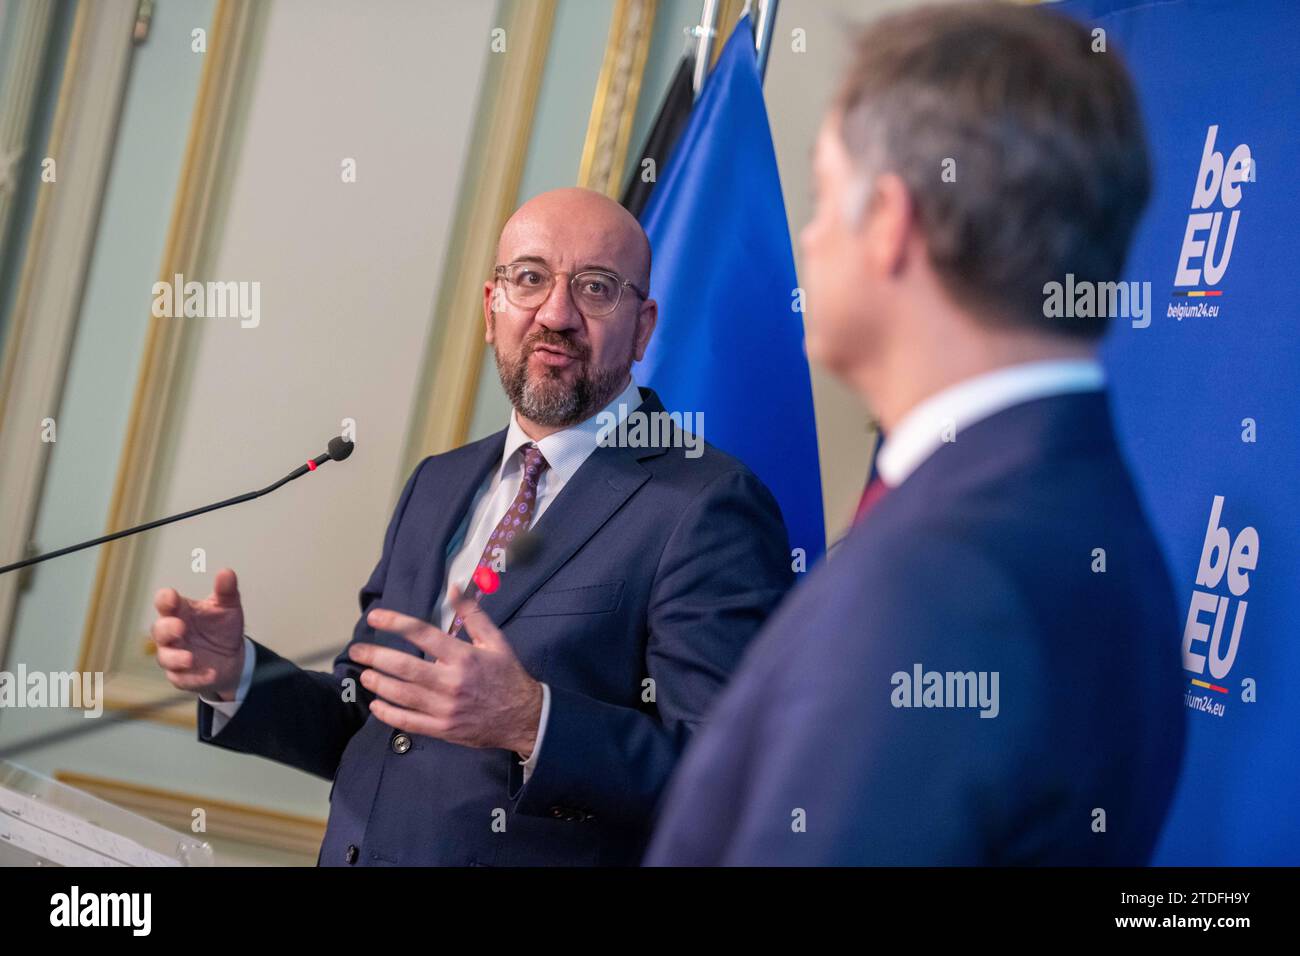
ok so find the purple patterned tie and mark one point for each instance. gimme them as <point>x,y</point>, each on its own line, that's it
<point>517,518</point>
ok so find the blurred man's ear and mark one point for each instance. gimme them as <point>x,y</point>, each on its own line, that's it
<point>890,224</point>
<point>646,318</point>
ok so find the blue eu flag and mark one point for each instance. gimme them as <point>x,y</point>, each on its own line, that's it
<point>729,342</point>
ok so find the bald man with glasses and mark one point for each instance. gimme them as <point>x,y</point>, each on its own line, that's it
<point>538,724</point>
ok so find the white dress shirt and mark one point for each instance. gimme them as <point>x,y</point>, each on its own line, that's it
<point>564,451</point>
<point>943,415</point>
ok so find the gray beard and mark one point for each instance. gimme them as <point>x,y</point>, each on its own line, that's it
<point>552,403</point>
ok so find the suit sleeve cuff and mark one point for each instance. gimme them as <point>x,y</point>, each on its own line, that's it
<point>224,710</point>
<point>530,764</point>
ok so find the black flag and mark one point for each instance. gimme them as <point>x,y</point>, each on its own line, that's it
<point>667,128</point>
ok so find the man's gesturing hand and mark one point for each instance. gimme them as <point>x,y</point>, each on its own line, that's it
<point>477,695</point>
<point>201,643</point>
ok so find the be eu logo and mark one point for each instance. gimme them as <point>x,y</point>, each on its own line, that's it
<point>1211,227</point>
<point>1218,607</point>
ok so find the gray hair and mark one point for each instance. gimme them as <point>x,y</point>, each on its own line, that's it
<point>1043,135</point>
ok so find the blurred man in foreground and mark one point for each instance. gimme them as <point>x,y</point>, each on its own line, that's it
<point>986,671</point>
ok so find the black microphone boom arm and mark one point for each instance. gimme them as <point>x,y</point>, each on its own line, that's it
<point>339,449</point>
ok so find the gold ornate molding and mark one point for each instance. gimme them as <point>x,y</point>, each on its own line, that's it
<point>618,90</point>
<point>493,171</point>
<point>203,175</point>
<point>18,95</point>
<point>56,258</point>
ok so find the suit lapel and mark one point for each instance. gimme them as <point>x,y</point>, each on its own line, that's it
<point>598,489</point>
<point>606,480</point>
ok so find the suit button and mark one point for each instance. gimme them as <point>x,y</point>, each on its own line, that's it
<point>401,744</point>
<point>557,812</point>
<point>351,854</point>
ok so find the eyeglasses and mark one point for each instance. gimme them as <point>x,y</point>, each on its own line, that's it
<point>595,293</point>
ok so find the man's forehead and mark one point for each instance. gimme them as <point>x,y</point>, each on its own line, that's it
<point>607,249</point>
<point>829,154</point>
<point>574,264</point>
<point>828,136</point>
<point>540,237</point>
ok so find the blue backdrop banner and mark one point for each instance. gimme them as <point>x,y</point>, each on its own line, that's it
<point>1207,392</point>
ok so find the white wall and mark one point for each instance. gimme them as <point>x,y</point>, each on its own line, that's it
<point>348,276</point>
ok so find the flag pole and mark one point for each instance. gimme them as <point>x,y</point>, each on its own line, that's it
<point>763,34</point>
<point>704,34</point>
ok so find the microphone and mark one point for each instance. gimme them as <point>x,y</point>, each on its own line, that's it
<point>519,552</point>
<point>524,548</point>
<point>339,449</point>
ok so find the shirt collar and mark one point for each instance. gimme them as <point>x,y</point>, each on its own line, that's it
<point>943,415</point>
<point>567,449</point>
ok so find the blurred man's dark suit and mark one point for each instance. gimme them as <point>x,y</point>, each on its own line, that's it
<point>653,572</point>
<point>984,559</point>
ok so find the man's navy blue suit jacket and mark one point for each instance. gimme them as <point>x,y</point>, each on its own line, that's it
<point>985,559</point>
<point>653,573</point>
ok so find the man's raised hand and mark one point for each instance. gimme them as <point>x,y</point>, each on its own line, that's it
<point>200,644</point>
